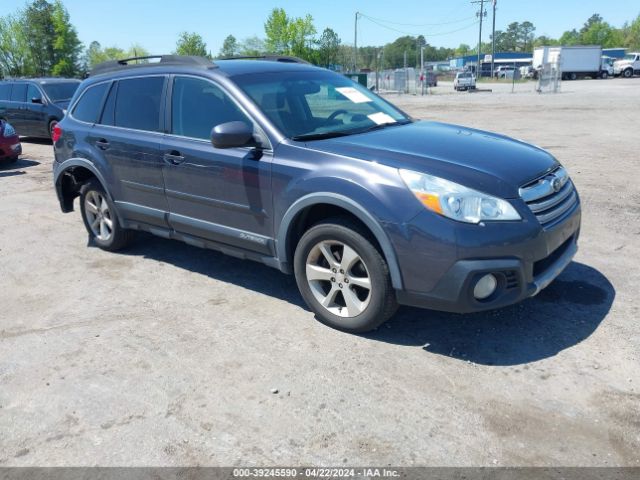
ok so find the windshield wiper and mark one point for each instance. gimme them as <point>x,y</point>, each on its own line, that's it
<point>344,133</point>
<point>320,136</point>
<point>380,126</point>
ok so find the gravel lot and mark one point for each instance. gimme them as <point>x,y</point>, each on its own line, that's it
<point>166,354</point>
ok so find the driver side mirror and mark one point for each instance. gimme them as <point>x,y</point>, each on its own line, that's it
<point>36,100</point>
<point>232,134</point>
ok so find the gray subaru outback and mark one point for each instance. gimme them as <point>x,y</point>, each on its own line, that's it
<point>274,160</point>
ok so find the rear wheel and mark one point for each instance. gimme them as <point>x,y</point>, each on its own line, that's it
<point>98,214</point>
<point>343,278</point>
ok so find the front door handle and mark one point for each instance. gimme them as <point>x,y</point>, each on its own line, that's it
<point>102,144</point>
<point>173,157</point>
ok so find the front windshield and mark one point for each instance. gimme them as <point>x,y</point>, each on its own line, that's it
<point>630,57</point>
<point>318,104</point>
<point>60,91</point>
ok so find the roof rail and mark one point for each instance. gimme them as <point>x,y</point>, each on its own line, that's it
<point>270,58</point>
<point>113,65</point>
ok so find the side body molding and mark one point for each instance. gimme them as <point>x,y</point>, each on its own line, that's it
<point>348,204</point>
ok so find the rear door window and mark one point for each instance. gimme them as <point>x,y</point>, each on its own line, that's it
<point>138,103</point>
<point>19,92</point>
<point>90,104</point>
<point>5,91</point>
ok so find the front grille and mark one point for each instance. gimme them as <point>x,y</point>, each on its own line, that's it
<point>551,198</point>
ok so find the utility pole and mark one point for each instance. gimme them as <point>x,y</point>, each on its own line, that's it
<point>493,40</point>
<point>406,74</point>
<point>479,14</point>
<point>355,45</point>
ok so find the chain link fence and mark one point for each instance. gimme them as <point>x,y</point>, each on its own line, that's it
<point>549,78</point>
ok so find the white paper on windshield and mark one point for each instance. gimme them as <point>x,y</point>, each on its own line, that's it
<point>380,118</point>
<point>354,95</point>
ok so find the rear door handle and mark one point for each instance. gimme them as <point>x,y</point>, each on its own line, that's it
<point>102,144</point>
<point>173,157</point>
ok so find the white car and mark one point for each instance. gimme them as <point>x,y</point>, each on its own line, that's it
<point>464,81</point>
<point>627,66</point>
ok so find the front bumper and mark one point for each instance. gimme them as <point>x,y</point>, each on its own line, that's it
<point>10,149</point>
<point>524,258</point>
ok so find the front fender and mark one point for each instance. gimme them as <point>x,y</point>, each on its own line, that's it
<point>351,206</point>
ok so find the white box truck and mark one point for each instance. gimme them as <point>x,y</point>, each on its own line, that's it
<point>575,61</point>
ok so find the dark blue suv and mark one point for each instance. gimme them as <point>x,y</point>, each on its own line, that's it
<point>34,106</point>
<point>302,169</point>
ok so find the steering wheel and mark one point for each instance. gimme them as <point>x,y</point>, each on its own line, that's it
<point>330,118</point>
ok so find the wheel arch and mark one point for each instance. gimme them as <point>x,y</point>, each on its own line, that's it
<point>296,213</point>
<point>69,178</point>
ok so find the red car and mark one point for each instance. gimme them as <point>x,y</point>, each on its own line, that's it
<point>10,147</point>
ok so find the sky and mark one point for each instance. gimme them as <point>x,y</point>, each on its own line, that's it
<point>156,24</point>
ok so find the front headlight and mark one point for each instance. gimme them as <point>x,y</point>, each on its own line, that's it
<point>456,201</point>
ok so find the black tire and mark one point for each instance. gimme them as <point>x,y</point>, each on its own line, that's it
<point>381,297</point>
<point>119,236</point>
<point>604,75</point>
<point>628,73</point>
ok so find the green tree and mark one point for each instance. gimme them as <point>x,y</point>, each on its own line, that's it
<point>276,29</point>
<point>570,37</point>
<point>527,36</point>
<point>290,36</point>
<point>66,46</point>
<point>328,47</point>
<point>191,44</point>
<point>463,49</point>
<point>543,41</point>
<point>252,47</point>
<point>40,35</point>
<point>229,48</point>
<point>95,54</point>
<point>630,34</point>
<point>15,59</point>
<point>301,37</point>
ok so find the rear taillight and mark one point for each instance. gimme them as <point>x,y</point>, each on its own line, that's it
<point>57,133</point>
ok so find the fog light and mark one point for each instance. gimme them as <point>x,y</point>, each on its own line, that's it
<point>485,286</point>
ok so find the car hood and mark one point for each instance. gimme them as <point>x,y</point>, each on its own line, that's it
<point>488,162</point>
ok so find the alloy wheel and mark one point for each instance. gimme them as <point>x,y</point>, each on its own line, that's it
<point>338,278</point>
<point>98,215</point>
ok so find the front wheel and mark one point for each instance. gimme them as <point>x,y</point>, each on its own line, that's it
<point>604,75</point>
<point>343,278</point>
<point>628,73</point>
<point>98,214</point>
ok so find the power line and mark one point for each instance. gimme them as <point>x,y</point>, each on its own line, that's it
<point>418,24</point>
<point>417,34</point>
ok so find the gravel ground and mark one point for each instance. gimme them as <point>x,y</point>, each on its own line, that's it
<point>167,355</point>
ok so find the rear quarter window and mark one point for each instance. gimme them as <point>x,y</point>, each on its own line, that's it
<point>5,91</point>
<point>89,106</point>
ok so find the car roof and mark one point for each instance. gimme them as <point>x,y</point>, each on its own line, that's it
<point>233,67</point>
<point>41,80</point>
<point>226,67</point>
